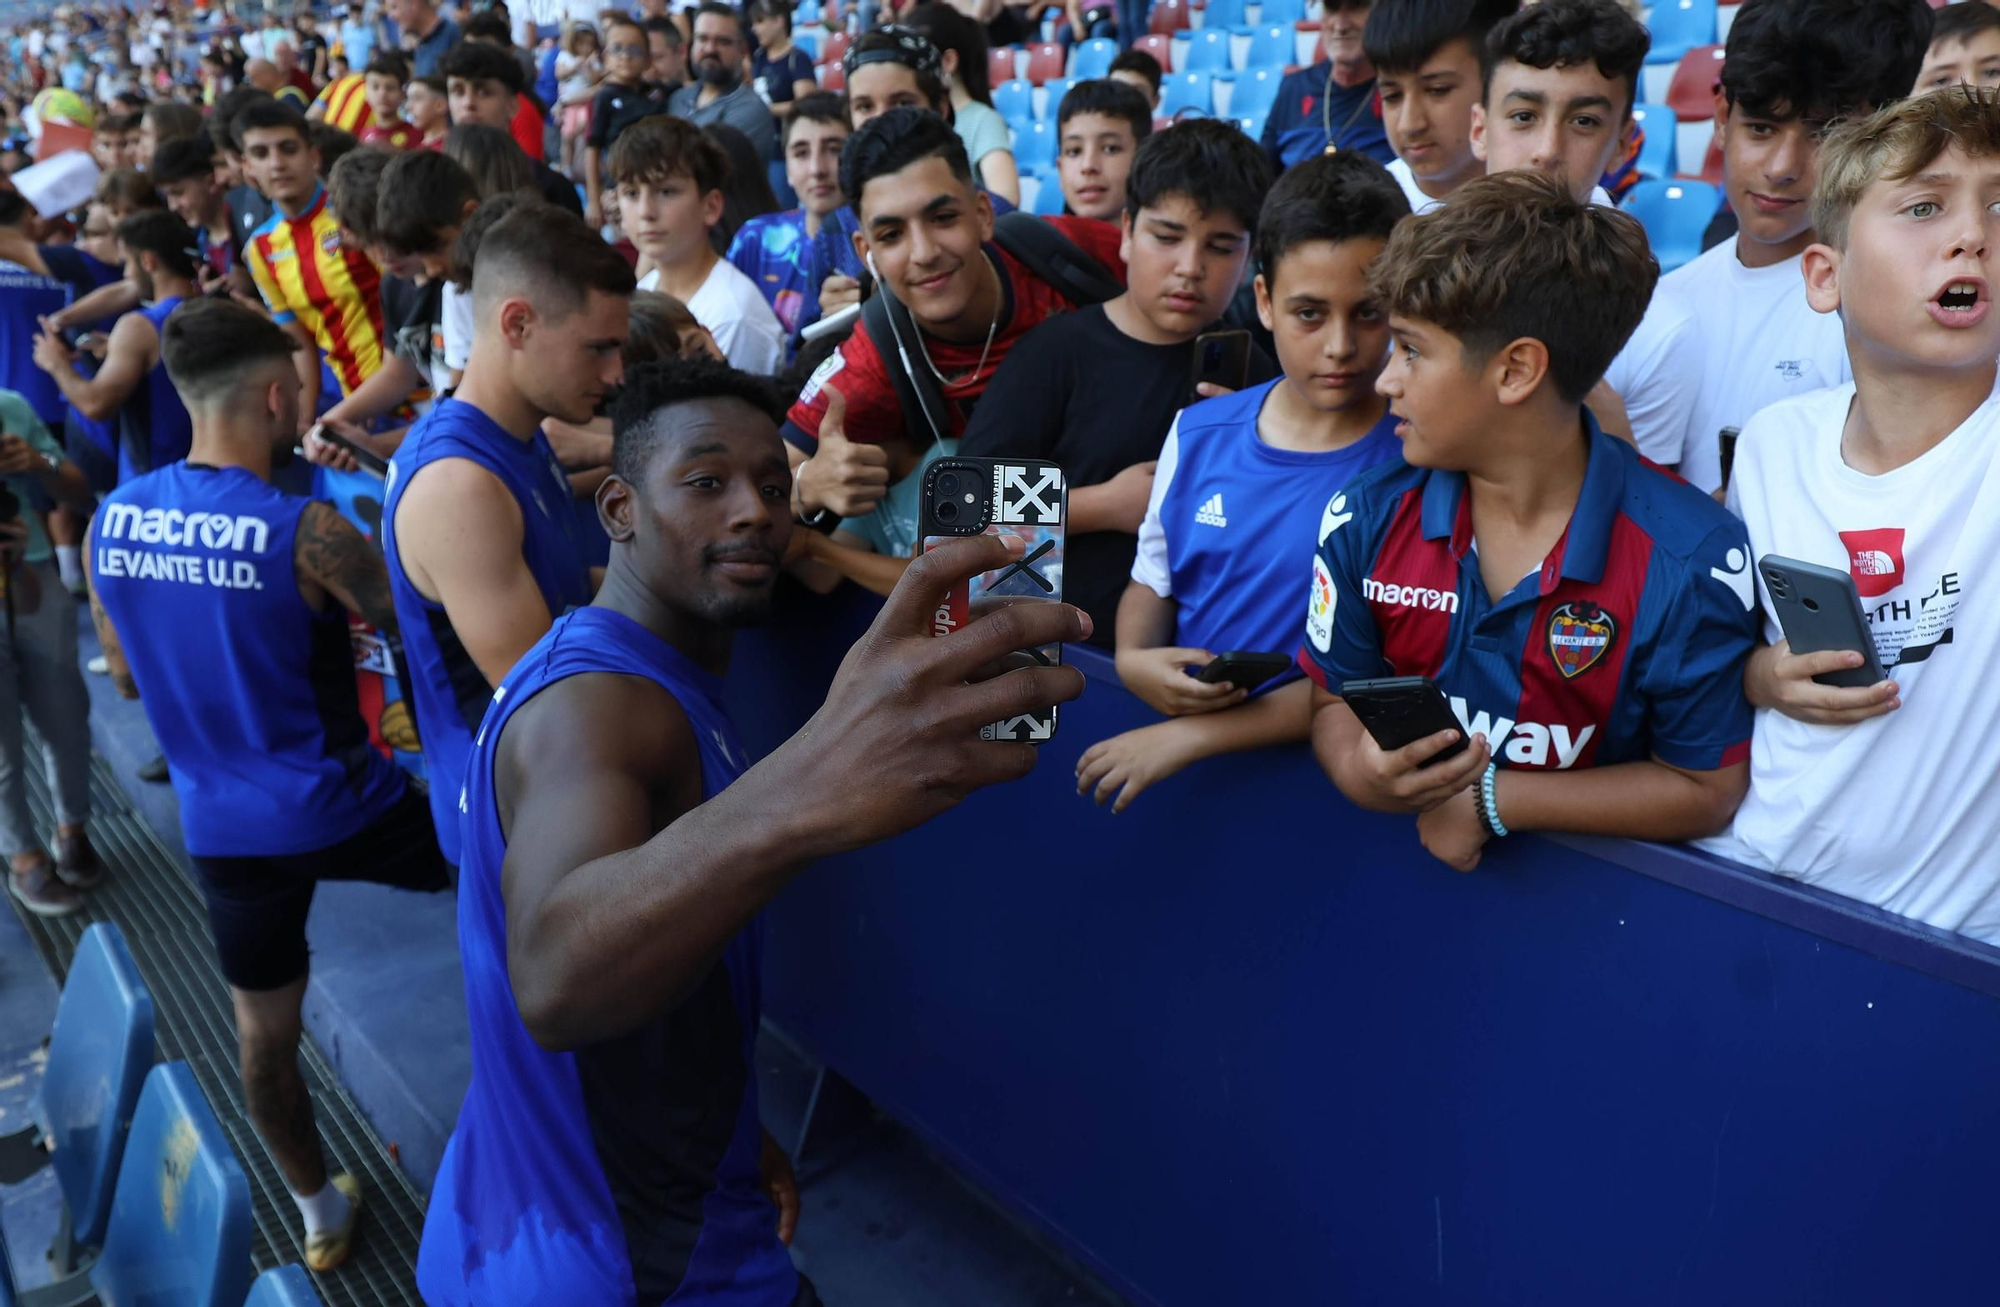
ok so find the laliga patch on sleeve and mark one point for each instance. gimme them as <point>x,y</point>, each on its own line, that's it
<point>1319,606</point>
<point>822,374</point>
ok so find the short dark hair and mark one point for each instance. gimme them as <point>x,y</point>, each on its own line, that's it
<point>422,193</point>
<point>182,160</point>
<point>650,387</point>
<point>430,82</point>
<point>268,113</point>
<point>352,186</point>
<point>891,142</point>
<point>1962,22</point>
<point>492,156</point>
<point>14,208</point>
<point>208,345</point>
<point>715,9</point>
<point>1558,33</point>
<point>476,61</point>
<point>127,187</point>
<point>487,26</point>
<point>332,142</point>
<point>222,115</point>
<point>1516,255</point>
<point>666,27</point>
<point>653,330</point>
<point>1140,62</point>
<point>1101,95</point>
<point>656,148</point>
<point>551,252</point>
<point>1210,161</point>
<point>898,44</point>
<point>172,120</point>
<point>1819,60</point>
<point>778,9</point>
<point>389,63</point>
<point>616,21</point>
<point>465,250</point>
<point>1329,197</point>
<point>1403,35</point>
<point>162,235</point>
<point>830,107</point>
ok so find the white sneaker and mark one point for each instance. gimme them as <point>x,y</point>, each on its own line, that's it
<point>97,666</point>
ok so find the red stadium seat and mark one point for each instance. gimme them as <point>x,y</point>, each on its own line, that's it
<point>1692,92</point>
<point>1045,60</point>
<point>1000,65</point>
<point>1168,17</point>
<point>832,77</point>
<point>836,46</point>
<point>1160,46</point>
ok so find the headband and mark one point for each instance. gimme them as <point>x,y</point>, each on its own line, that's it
<point>910,50</point>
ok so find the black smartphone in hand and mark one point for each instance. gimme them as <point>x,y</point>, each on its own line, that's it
<point>1400,710</point>
<point>1221,358</point>
<point>1242,669</point>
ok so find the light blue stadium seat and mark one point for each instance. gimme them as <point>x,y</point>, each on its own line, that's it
<point>99,1052</point>
<point>1015,100</point>
<point>1221,15</point>
<point>288,1286</point>
<point>1035,146</point>
<point>1092,59</point>
<point>808,11</point>
<point>1678,26</point>
<point>1208,51</point>
<point>1272,45</point>
<point>1049,199</point>
<point>1049,97</point>
<point>1183,91</point>
<point>1656,152</point>
<point>1252,92</point>
<point>1284,12</point>
<point>1674,214</point>
<point>180,1220</point>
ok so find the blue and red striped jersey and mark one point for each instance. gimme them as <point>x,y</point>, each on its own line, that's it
<point>1627,643</point>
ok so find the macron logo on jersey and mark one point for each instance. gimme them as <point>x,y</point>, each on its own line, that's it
<point>1408,596</point>
<point>1875,558</point>
<point>1210,513</point>
<point>1525,743</point>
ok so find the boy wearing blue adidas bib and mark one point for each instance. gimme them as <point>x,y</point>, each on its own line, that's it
<point>1242,479</point>
<point>1586,614</point>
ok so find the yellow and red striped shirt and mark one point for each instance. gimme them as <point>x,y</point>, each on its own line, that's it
<point>346,102</point>
<point>306,274</point>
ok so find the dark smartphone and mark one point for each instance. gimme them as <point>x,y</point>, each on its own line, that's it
<point>987,496</point>
<point>1245,671</point>
<point>1725,441</point>
<point>1820,609</point>
<point>1222,357</point>
<point>1400,710</point>
<point>369,461</point>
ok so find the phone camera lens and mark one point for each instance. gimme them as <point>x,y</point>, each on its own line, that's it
<point>947,511</point>
<point>947,486</point>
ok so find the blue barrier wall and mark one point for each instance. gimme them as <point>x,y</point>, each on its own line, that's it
<point>1246,1044</point>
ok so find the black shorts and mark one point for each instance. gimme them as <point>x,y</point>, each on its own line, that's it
<point>257,906</point>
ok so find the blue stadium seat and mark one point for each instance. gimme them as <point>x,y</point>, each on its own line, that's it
<point>180,1220</point>
<point>99,1052</point>
<point>1049,199</point>
<point>1674,214</point>
<point>1015,100</point>
<point>288,1286</point>
<point>1286,12</point>
<point>1252,92</point>
<point>1049,97</point>
<point>1678,26</point>
<point>1035,146</point>
<point>1271,46</point>
<point>1208,51</point>
<point>1656,152</point>
<point>781,185</point>
<point>1221,15</point>
<point>1092,59</point>
<point>808,11</point>
<point>1184,91</point>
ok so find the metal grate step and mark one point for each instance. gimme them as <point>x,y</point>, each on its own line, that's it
<point>151,898</point>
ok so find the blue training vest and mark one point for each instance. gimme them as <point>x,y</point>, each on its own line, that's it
<point>250,692</point>
<point>154,428</point>
<point>450,690</point>
<point>624,1172</point>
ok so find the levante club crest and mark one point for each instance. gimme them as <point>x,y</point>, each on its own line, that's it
<point>1578,636</point>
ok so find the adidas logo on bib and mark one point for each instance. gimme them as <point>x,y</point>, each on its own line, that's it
<point>1210,513</point>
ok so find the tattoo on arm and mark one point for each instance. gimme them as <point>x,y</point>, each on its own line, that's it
<point>332,553</point>
<point>114,652</point>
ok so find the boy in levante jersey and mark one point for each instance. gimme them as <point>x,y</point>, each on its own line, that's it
<point>1242,479</point>
<point>1587,615</point>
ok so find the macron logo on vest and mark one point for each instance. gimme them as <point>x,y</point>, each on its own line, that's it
<point>171,526</point>
<point>1210,513</point>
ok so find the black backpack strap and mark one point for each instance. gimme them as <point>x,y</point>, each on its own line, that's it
<point>1056,259</point>
<point>897,339</point>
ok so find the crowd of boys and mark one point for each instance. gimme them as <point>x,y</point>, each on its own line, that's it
<point>611,412</point>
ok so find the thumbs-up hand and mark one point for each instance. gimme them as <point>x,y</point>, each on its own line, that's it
<point>847,476</point>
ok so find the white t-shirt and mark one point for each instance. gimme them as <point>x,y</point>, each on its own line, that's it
<point>1422,203</point>
<point>1650,372</point>
<point>455,311</point>
<point>736,314</point>
<point>1898,810</point>
<point>1759,342</point>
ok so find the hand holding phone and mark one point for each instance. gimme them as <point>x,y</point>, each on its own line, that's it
<point>1222,360</point>
<point>1413,754</point>
<point>1163,678</point>
<point>1825,670</point>
<point>1243,669</point>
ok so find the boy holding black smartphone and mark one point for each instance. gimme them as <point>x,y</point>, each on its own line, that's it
<point>1586,615</point>
<point>1882,792</point>
<point>1095,391</point>
<point>1241,482</point>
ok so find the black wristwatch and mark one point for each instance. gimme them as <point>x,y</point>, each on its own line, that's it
<point>824,521</point>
